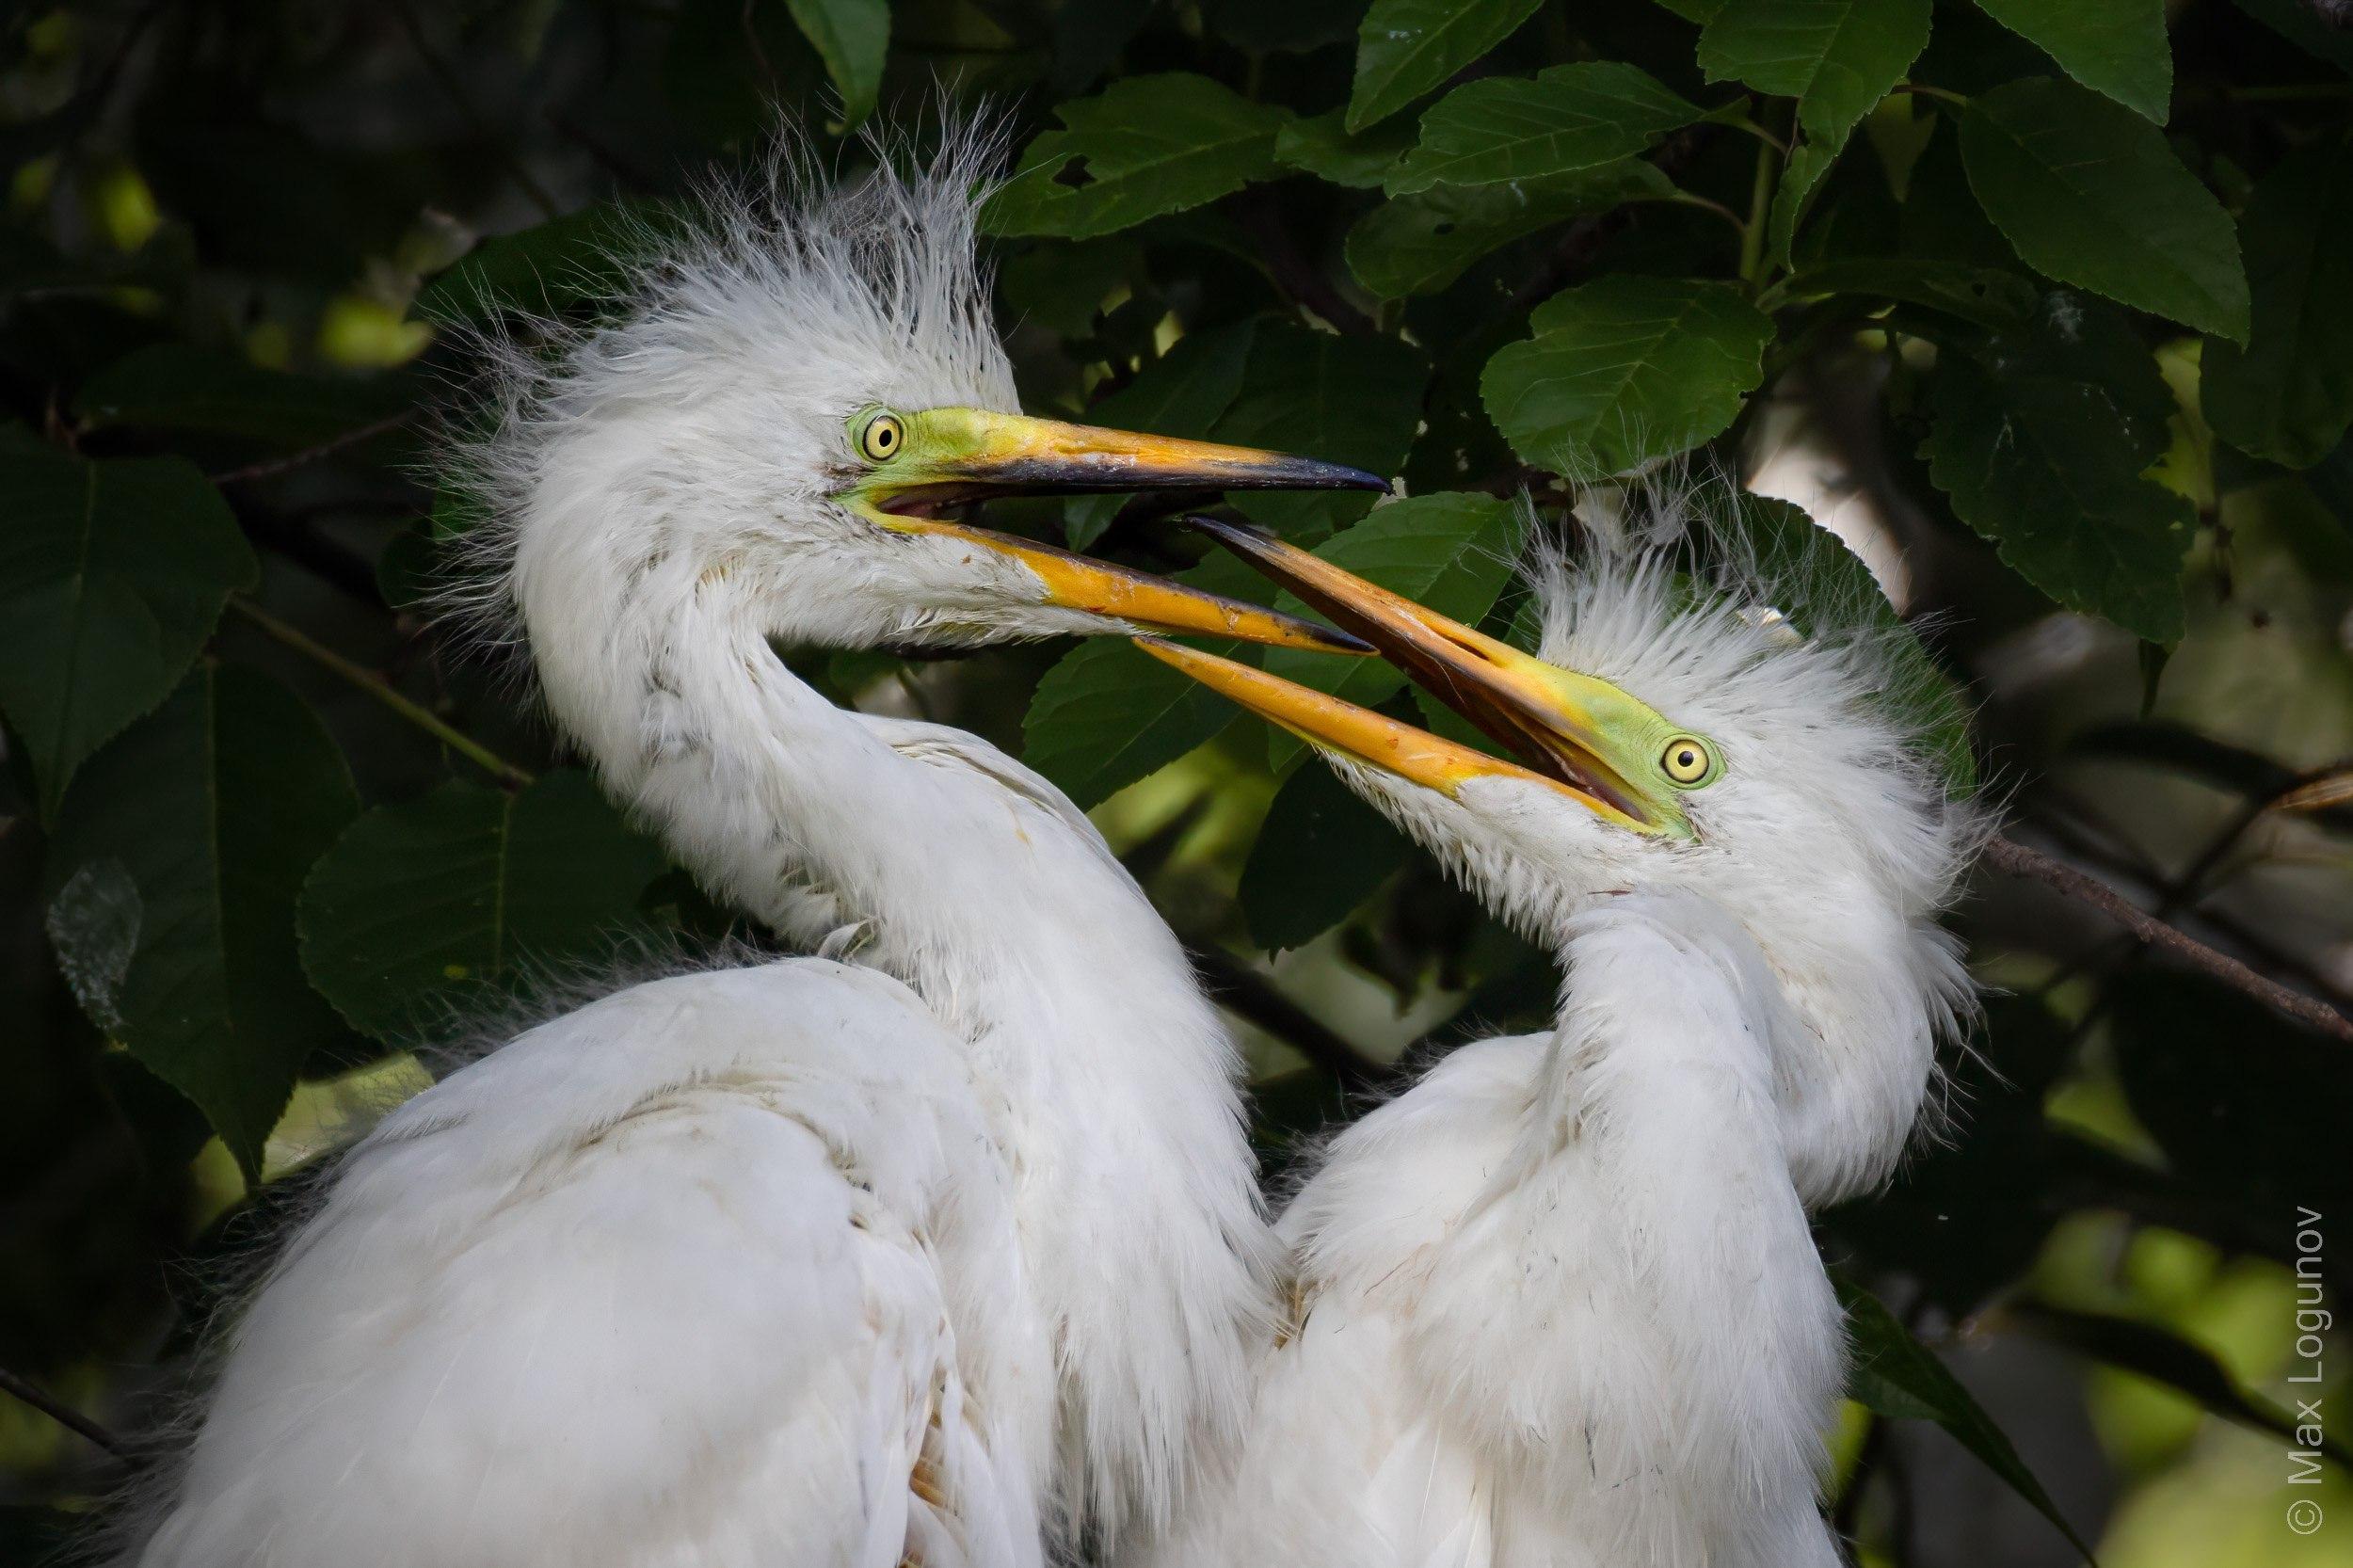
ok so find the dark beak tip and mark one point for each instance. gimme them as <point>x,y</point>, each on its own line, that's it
<point>1315,473</point>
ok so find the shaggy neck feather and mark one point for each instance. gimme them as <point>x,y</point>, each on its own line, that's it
<point>1019,929</point>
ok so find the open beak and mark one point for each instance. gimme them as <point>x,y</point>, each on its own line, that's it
<point>988,454</point>
<point>1330,725</point>
<point>1003,455</point>
<point>1139,598</point>
<point>1555,720</point>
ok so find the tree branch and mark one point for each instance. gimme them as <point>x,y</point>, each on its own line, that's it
<point>2009,856</point>
<point>61,1412</point>
<point>498,767</point>
<point>309,454</point>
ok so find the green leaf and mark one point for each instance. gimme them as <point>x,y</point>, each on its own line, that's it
<point>1323,147</point>
<point>1451,550</point>
<point>1625,370</point>
<point>1820,581</point>
<point>853,38</point>
<point>1983,297</point>
<point>1321,852</point>
<point>1353,400</point>
<point>1110,713</point>
<point>179,385</point>
<point>1144,146</point>
<point>1835,57</point>
<point>446,903</point>
<point>1406,47</point>
<point>1184,392</point>
<point>1564,120</point>
<point>111,576</point>
<point>582,256</point>
<point>2117,47</point>
<point>2288,395</point>
<point>1421,244</point>
<point>2162,1357</point>
<point>1809,161</point>
<point>175,869</point>
<point>1895,1375</point>
<point>2088,193</point>
<point>2042,447</point>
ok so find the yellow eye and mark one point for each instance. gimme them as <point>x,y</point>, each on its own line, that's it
<point>881,439</point>
<point>1686,761</point>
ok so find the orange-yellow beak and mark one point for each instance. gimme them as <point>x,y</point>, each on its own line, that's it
<point>1578,734</point>
<point>942,458</point>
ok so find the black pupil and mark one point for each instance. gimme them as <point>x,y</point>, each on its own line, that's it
<point>883,438</point>
<point>1684,758</point>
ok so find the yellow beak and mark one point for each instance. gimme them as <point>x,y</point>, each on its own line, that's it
<point>979,454</point>
<point>1330,725</point>
<point>1557,720</point>
<point>955,455</point>
<point>1140,599</point>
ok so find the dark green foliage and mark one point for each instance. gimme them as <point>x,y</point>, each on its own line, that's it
<point>422,908</point>
<point>173,875</point>
<point>2060,292</point>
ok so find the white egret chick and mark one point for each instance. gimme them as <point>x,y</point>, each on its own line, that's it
<point>950,1254</point>
<point>1558,1305</point>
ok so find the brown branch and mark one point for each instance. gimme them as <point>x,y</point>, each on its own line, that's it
<point>271,467</point>
<point>508,775</point>
<point>2134,875</point>
<point>60,1412</point>
<point>1240,990</point>
<point>2009,856</point>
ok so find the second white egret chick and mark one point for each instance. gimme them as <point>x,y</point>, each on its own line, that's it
<point>1558,1305</point>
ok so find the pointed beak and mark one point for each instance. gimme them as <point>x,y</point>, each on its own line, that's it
<point>960,454</point>
<point>1557,721</point>
<point>1139,599</point>
<point>1001,454</point>
<point>1330,725</point>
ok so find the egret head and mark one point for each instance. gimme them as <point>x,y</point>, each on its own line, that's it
<point>1672,735</point>
<point>797,394</point>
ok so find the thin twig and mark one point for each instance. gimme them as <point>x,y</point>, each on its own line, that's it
<point>61,1412</point>
<point>271,467</point>
<point>1752,257</point>
<point>1947,94</point>
<point>375,686</point>
<point>2007,855</point>
<point>1709,204</point>
<point>2138,880</point>
<point>1242,989</point>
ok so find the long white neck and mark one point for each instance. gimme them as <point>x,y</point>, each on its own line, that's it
<point>1653,1121</point>
<point>988,894</point>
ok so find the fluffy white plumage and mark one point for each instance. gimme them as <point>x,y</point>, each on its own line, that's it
<point>1558,1305</point>
<point>953,1254</point>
